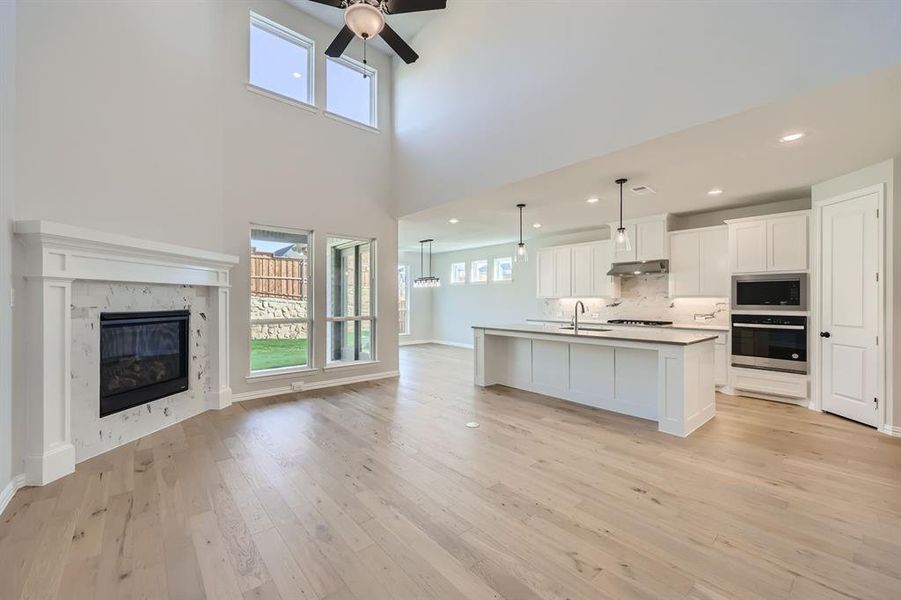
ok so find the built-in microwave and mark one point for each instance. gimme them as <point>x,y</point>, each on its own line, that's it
<point>784,291</point>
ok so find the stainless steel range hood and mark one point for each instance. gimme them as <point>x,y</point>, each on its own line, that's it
<point>641,267</point>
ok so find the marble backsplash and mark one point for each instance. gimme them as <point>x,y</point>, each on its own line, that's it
<point>644,297</point>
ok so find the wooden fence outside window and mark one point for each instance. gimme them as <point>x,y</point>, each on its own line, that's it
<point>277,277</point>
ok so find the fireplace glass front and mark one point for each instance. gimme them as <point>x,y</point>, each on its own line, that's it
<point>143,357</point>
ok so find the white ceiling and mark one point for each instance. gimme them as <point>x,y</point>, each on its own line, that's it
<point>848,126</point>
<point>406,25</point>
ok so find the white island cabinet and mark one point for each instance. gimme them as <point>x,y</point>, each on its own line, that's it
<point>662,375</point>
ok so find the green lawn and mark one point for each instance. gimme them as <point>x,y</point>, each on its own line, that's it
<point>272,354</point>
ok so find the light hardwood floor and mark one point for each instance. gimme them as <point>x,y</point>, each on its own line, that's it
<point>379,491</point>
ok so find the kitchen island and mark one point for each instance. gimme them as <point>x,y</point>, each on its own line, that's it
<point>658,374</point>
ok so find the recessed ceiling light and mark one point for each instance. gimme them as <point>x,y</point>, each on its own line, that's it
<point>715,191</point>
<point>296,75</point>
<point>792,137</point>
<point>453,221</point>
<point>536,225</point>
<point>593,200</point>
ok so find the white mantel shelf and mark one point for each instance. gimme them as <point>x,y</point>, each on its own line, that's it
<point>56,255</point>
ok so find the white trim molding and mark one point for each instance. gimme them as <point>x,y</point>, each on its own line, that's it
<point>894,430</point>
<point>306,386</point>
<point>439,342</point>
<point>55,256</point>
<point>7,493</point>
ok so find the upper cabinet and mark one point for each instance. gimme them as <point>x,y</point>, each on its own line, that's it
<point>698,262</point>
<point>576,271</point>
<point>648,238</point>
<point>769,243</point>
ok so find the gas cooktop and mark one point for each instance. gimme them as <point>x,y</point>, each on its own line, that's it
<point>644,323</point>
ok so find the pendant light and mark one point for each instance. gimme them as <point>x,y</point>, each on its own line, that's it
<point>423,281</point>
<point>621,241</point>
<point>520,255</point>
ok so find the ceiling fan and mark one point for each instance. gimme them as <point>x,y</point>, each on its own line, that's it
<point>366,19</point>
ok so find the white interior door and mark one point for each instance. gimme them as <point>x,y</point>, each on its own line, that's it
<point>848,308</point>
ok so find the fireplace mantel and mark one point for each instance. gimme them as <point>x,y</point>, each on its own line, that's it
<point>55,256</point>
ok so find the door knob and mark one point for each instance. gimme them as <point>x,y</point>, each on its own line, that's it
<point>825,334</point>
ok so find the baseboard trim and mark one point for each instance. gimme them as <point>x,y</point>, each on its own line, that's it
<point>892,430</point>
<point>6,495</point>
<point>305,386</point>
<point>414,342</point>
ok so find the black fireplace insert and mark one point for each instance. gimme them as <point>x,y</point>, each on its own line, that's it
<point>143,357</point>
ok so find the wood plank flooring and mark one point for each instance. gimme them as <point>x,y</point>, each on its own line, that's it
<point>379,491</point>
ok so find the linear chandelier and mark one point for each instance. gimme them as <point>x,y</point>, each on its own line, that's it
<point>423,281</point>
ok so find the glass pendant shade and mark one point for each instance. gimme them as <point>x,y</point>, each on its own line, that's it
<point>621,241</point>
<point>364,19</point>
<point>521,255</point>
<point>426,281</point>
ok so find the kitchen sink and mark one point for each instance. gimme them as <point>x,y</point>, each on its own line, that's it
<point>586,328</point>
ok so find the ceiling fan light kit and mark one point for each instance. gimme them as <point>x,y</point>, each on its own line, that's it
<point>365,19</point>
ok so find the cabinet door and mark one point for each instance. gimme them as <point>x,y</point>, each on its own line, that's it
<point>787,243</point>
<point>685,264</point>
<point>747,247</point>
<point>720,365</point>
<point>563,273</point>
<point>650,240</point>
<point>582,270</point>
<point>546,273</point>
<point>713,246</point>
<point>628,256</point>
<point>602,285</point>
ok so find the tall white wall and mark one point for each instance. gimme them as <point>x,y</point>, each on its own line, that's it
<point>885,173</point>
<point>509,89</point>
<point>7,188</point>
<point>134,117</point>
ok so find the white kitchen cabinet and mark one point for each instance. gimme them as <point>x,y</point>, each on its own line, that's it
<point>698,262</point>
<point>647,236</point>
<point>602,285</point>
<point>787,243</point>
<point>546,276</point>
<point>563,276</point>
<point>769,243</point>
<point>582,270</point>
<point>720,364</point>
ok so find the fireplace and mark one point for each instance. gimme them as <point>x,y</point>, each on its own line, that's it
<point>143,357</point>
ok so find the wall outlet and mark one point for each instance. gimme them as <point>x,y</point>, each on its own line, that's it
<point>297,386</point>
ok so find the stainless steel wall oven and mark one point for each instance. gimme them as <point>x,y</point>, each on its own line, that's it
<point>771,342</point>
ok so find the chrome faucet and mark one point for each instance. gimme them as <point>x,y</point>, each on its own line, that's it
<point>579,304</point>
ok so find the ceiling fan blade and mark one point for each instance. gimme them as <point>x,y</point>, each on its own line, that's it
<point>340,43</point>
<point>398,45</point>
<point>396,7</point>
<point>335,3</point>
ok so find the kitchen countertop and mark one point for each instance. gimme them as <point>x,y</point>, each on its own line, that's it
<point>695,326</point>
<point>652,335</point>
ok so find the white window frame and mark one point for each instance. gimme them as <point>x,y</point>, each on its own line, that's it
<point>263,373</point>
<point>465,274</point>
<point>373,74</point>
<point>373,304</point>
<point>472,278</point>
<point>494,263</point>
<point>292,37</point>
<point>408,296</point>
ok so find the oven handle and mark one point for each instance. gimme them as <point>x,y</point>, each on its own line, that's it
<point>763,326</point>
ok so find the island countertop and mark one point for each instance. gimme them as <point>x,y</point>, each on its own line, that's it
<point>651,335</point>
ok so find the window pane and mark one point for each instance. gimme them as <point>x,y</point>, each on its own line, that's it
<point>278,64</point>
<point>348,92</point>
<point>479,272</point>
<point>350,294</point>
<point>503,269</point>
<point>279,299</point>
<point>458,273</point>
<point>403,299</point>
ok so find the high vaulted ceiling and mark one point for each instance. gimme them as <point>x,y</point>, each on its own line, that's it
<point>848,125</point>
<point>507,90</point>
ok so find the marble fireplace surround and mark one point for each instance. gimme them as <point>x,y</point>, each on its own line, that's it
<point>55,256</point>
